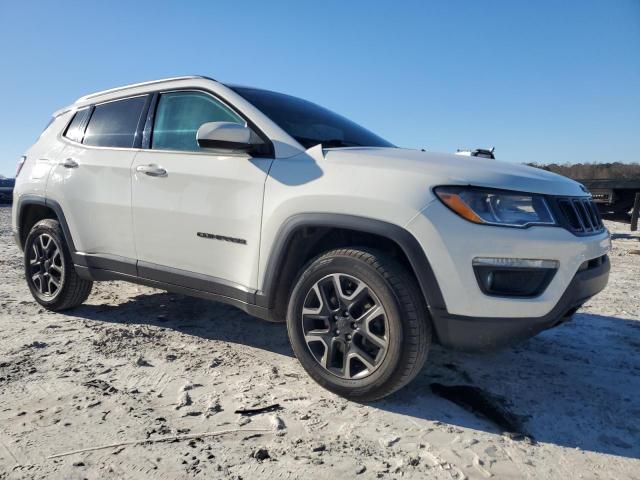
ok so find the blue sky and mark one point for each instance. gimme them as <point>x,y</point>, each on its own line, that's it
<point>543,81</point>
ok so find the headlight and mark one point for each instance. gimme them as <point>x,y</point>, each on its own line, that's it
<point>496,207</point>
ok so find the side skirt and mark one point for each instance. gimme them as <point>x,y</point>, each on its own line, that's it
<point>184,285</point>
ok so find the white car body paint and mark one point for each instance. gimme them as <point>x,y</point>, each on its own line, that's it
<point>394,185</point>
<point>115,210</point>
<point>206,193</point>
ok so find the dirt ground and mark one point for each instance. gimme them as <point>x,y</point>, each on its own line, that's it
<point>136,363</point>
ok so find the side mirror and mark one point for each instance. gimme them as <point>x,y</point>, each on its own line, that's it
<point>224,136</point>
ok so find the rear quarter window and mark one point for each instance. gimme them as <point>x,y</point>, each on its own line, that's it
<point>75,130</point>
<point>114,124</point>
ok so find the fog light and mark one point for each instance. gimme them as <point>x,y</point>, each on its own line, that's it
<point>514,277</point>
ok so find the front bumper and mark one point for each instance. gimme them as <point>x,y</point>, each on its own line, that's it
<point>478,334</point>
<point>451,244</point>
<point>467,318</point>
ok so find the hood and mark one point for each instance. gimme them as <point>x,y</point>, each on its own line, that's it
<point>449,169</point>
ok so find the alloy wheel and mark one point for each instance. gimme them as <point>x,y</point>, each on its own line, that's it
<point>345,326</point>
<point>46,268</point>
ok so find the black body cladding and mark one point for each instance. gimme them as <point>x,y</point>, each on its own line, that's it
<point>455,331</point>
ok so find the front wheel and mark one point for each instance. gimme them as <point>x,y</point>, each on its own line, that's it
<point>49,270</point>
<point>358,324</point>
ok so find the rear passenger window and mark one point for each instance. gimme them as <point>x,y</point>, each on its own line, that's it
<point>179,115</point>
<point>114,124</point>
<point>75,130</point>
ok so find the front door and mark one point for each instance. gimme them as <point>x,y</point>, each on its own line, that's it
<point>196,213</point>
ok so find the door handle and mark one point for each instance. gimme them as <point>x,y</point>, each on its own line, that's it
<point>69,163</point>
<point>152,170</point>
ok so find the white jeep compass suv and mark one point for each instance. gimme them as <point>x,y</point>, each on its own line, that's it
<point>290,212</point>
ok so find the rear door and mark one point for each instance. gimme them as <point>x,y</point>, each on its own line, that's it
<point>94,180</point>
<point>196,212</point>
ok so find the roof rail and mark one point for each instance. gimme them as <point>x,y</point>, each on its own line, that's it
<point>142,84</point>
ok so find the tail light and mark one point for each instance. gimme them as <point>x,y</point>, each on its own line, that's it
<point>23,158</point>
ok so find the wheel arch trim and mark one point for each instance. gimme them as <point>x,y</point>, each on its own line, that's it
<point>409,245</point>
<point>26,200</point>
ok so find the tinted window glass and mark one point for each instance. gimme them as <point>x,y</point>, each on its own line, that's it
<point>75,130</point>
<point>179,115</point>
<point>114,124</point>
<point>308,123</point>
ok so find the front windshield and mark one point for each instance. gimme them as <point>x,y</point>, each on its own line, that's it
<point>308,123</point>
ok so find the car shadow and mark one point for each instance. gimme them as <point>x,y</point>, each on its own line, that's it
<point>617,217</point>
<point>575,386</point>
<point>625,236</point>
<point>192,316</point>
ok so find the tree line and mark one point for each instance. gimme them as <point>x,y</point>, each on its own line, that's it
<point>593,171</point>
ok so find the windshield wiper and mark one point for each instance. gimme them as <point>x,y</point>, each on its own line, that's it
<point>334,142</point>
<point>328,143</point>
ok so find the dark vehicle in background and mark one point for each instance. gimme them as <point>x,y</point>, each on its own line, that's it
<point>613,185</point>
<point>611,195</point>
<point>6,189</point>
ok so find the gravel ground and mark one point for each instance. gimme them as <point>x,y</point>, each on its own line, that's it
<point>136,363</point>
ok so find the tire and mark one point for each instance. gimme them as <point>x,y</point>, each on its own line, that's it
<point>49,271</point>
<point>376,353</point>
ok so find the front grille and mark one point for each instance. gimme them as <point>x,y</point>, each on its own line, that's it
<point>579,215</point>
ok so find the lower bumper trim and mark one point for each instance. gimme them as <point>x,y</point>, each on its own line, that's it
<point>489,333</point>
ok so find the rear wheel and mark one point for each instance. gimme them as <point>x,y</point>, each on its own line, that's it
<point>49,271</point>
<point>358,324</point>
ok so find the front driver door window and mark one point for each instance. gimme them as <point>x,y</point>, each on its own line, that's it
<point>180,114</point>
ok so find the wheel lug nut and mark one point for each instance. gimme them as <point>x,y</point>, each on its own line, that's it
<point>354,326</point>
<point>337,332</point>
<point>348,337</point>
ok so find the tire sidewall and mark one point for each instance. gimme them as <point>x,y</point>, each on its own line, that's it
<point>355,267</point>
